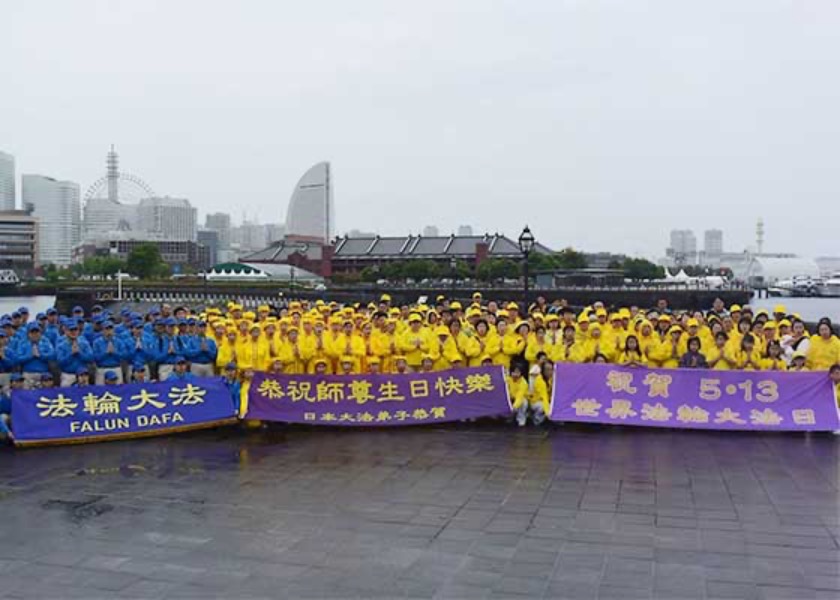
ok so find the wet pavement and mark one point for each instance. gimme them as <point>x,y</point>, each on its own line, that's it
<point>460,512</point>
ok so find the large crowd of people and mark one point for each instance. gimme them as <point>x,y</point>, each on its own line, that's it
<point>320,337</point>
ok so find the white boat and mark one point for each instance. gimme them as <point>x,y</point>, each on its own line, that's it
<point>830,288</point>
<point>799,285</point>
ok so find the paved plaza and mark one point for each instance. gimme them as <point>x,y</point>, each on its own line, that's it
<point>447,512</point>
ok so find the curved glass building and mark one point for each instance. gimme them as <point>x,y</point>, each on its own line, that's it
<point>311,214</point>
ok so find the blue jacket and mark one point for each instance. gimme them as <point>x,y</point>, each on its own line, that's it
<point>105,359</point>
<point>70,361</point>
<point>197,355</point>
<point>31,364</point>
<point>235,391</point>
<point>52,334</point>
<point>175,376</point>
<point>144,353</point>
<point>160,346</point>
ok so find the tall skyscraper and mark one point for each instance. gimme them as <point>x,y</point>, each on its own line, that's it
<point>7,181</point>
<point>713,243</point>
<point>465,230</point>
<point>431,231</point>
<point>220,223</point>
<point>311,214</point>
<point>166,218</point>
<point>56,204</point>
<point>683,246</point>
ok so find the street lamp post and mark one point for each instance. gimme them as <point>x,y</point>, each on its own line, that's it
<point>453,270</point>
<point>526,245</point>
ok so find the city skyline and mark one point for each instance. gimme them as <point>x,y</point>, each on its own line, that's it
<point>554,116</point>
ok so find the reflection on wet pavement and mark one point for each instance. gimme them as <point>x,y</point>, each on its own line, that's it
<point>453,511</point>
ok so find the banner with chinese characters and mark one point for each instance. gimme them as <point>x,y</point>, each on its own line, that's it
<point>100,412</point>
<point>379,400</point>
<point>701,399</point>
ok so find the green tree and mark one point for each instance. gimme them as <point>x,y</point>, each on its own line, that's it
<point>370,274</point>
<point>569,258</point>
<point>419,269</point>
<point>145,262</point>
<point>495,269</point>
<point>639,268</point>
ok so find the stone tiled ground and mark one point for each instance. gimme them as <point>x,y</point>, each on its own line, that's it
<point>461,512</point>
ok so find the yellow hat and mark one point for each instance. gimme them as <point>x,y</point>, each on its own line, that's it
<point>784,323</point>
<point>385,298</point>
<point>427,356</point>
<point>615,317</point>
<point>485,358</point>
<point>319,361</point>
<point>799,354</point>
<point>512,306</point>
<point>770,325</point>
<point>476,295</point>
<point>601,312</point>
<point>675,329</point>
<point>455,305</point>
<point>693,323</point>
<point>780,309</point>
<point>551,318</point>
<point>394,312</point>
<point>582,318</point>
<point>348,359</point>
<point>502,314</point>
<point>735,308</point>
<point>399,357</point>
<point>263,308</point>
<point>373,360</point>
<point>625,313</point>
<point>415,318</point>
<point>664,318</point>
<point>441,330</point>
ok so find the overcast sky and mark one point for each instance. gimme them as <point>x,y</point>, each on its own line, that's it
<point>601,124</point>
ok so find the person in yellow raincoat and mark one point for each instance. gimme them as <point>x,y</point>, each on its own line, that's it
<point>487,342</point>
<point>568,350</point>
<point>444,348</point>
<point>295,353</point>
<point>505,333</point>
<point>824,350</point>
<point>414,342</point>
<point>631,354</point>
<point>253,353</point>
<point>718,357</point>
<point>226,350</point>
<point>834,374</point>
<point>518,391</point>
<point>748,358</point>
<point>538,344</point>
<point>773,359</point>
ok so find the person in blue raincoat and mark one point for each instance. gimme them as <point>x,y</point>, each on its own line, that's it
<point>108,352</point>
<point>33,355</point>
<point>202,353</point>
<point>180,372</point>
<point>73,352</point>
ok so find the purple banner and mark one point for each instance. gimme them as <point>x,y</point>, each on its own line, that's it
<point>697,399</point>
<point>379,400</point>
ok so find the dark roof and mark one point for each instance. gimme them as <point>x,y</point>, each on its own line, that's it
<point>429,247</point>
<point>280,251</point>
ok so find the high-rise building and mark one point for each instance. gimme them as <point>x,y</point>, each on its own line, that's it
<point>465,230</point>
<point>220,223</point>
<point>56,205</point>
<point>7,181</point>
<point>172,219</point>
<point>311,214</point>
<point>431,231</point>
<point>209,238</point>
<point>713,243</point>
<point>683,248</point>
<point>18,242</point>
<point>274,232</point>
<point>103,216</point>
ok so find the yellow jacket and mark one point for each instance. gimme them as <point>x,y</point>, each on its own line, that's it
<point>518,391</point>
<point>823,353</point>
<point>538,393</point>
<point>226,353</point>
<point>716,353</point>
<point>489,345</point>
<point>253,355</point>
<point>413,345</point>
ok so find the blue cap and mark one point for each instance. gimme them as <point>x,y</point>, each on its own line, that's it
<point>78,309</point>
<point>2,334</point>
<point>182,322</point>
<point>40,316</point>
<point>191,321</point>
<point>52,311</point>
<point>16,377</point>
<point>96,307</point>
<point>46,377</point>
<point>124,310</point>
<point>180,359</point>
<point>33,327</point>
<point>72,324</point>
<point>202,323</point>
<point>23,310</point>
<point>108,325</point>
<point>154,311</point>
<point>230,365</point>
<point>110,376</point>
<point>16,315</point>
<point>169,321</point>
<point>81,371</point>
<point>137,323</point>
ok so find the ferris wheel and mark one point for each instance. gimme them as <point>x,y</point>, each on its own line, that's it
<point>130,188</point>
<point>119,187</point>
